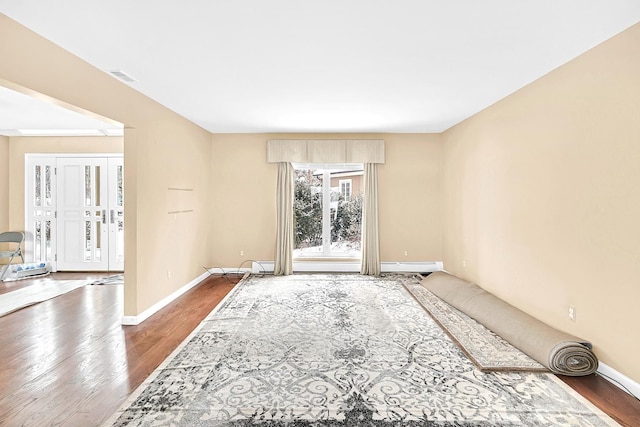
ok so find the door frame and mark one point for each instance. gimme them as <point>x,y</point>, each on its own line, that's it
<point>28,157</point>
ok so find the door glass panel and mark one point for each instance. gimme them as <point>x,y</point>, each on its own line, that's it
<point>98,244</point>
<point>87,241</point>
<point>96,187</point>
<point>116,220</point>
<point>37,199</point>
<point>47,240</point>
<point>120,187</point>
<point>47,186</point>
<point>120,241</point>
<point>87,185</point>
<point>37,254</point>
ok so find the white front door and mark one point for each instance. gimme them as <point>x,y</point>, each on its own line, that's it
<point>86,231</point>
<point>82,214</point>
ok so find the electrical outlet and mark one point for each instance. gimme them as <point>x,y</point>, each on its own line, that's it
<point>572,313</point>
<point>464,263</point>
<point>406,253</point>
<point>168,274</point>
<point>241,253</point>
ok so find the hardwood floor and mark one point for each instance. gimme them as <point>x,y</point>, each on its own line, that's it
<point>10,286</point>
<point>619,405</point>
<point>69,362</point>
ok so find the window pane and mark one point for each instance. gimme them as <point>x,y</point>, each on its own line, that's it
<point>346,227</point>
<point>326,205</point>
<point>308,212</point>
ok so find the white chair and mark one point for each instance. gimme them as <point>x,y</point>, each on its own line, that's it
<point>13,237</point>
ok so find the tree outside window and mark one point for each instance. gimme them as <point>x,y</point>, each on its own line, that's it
<point>328,220</point>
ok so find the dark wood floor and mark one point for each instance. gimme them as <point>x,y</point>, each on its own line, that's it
<point>69,362</point>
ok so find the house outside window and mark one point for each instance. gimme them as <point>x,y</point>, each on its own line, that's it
<point>345,188</point>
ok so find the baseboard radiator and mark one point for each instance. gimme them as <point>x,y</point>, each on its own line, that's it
<point>349,267</point>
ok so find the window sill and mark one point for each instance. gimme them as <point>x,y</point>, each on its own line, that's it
<point>326,259</point>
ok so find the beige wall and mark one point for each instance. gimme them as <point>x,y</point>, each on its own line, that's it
<point>542,202</point>
<point>19,146</point>
<point>4,183</point>
<point>243,196</point>
<point>161,149</point>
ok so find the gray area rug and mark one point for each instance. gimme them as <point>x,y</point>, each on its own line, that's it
<point>338,350</point>
<point>116,279</point>
<point>487,350</point>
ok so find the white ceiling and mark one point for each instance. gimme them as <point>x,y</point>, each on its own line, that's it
<point>331,65</point>
<point>22,114</point>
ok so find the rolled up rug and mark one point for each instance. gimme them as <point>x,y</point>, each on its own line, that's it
<point>572,358</point>
<point>562,353</point>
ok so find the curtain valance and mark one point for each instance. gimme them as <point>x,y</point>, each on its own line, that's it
<point>325,150</point>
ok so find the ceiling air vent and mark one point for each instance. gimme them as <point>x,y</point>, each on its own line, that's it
<point>122,76</point>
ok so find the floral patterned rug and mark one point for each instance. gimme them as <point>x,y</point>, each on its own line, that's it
<point>338,350</point>
<point>487,350</point>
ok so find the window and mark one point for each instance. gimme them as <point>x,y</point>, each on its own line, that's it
<point>345,188</point>
<point>327,211</point>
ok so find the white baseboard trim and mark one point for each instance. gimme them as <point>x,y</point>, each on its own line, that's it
<point>350,266</point>
<point>229,270</point>
<point>619,379</point>
<point>411,267</point>
<point>136,320</point>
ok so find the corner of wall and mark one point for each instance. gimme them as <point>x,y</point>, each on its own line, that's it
<point>4,182</point>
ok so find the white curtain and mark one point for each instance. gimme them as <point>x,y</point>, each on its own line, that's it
<point>370,152</point>
<point>370,237</point>
<point>285,219</point>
